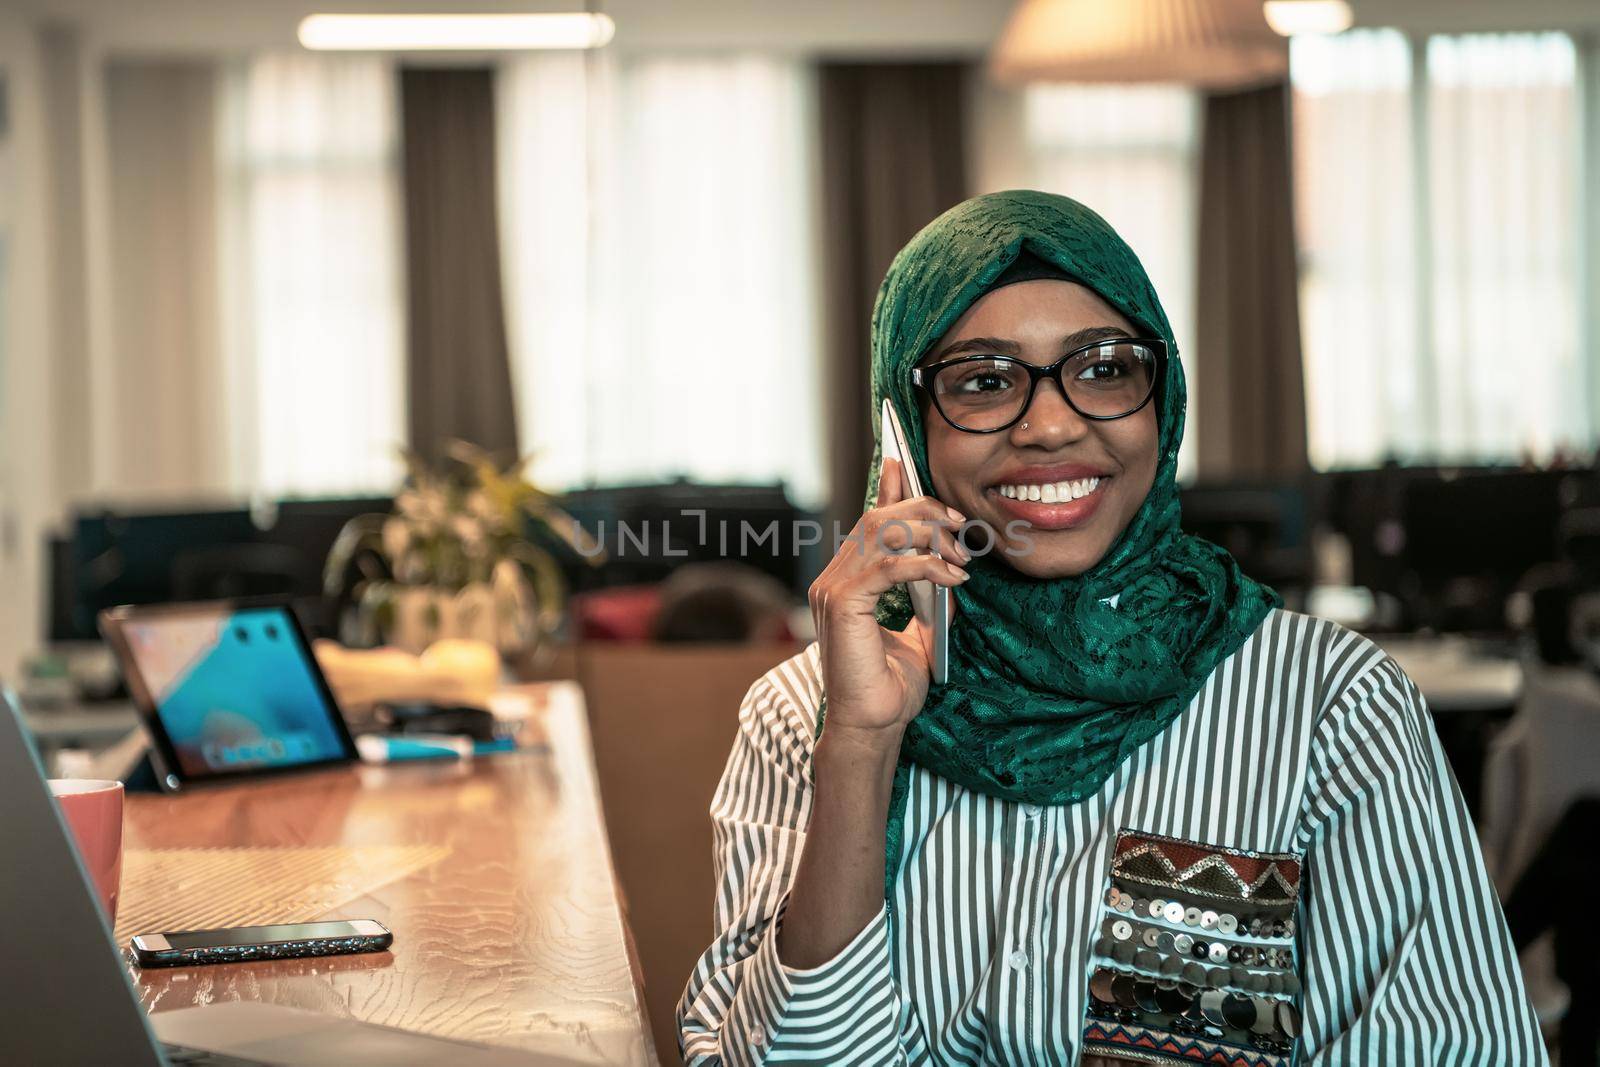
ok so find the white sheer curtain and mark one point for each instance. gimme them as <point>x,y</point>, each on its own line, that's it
<point>1503,137</point>
<point>658,219</point>
<point>9,195</point>
<point>1438,278</point>
<point>158,429</point>
<point>312,303</point>
<point>1128,152</point>
<point>1358,270</point>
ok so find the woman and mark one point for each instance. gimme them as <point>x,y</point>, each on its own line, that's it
<point>1151,817</point>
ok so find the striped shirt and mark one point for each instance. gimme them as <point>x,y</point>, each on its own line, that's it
<point>1307,749</point>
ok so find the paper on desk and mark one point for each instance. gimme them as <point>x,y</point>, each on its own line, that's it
<point>450,672</point>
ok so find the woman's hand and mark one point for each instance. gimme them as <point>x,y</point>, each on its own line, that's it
<point>876,679</point>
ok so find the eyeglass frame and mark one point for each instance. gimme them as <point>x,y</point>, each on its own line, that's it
<point>922,378</point>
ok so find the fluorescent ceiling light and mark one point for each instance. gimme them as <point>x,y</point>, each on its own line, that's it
<point>1291,17</point>
<point>379,33</point>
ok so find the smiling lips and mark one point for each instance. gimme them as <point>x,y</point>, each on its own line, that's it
<point>1052,505</point>
<point>1050,492</point>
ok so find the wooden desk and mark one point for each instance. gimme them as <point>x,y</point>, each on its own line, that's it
<point>515,938</point>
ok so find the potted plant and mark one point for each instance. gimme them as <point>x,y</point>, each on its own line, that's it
<point>456,559</point>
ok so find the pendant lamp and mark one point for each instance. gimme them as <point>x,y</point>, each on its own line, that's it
<point>1211,44</point>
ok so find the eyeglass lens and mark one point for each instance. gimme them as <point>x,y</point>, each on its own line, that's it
<point>1106,381</point>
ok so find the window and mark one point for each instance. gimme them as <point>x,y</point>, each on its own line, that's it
<point>1502,215</point>
<point>312,299</point>
<point>1128,152</point>
<point>657,218</point>
<point>1437,208</point>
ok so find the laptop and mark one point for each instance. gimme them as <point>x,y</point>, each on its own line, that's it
<point>64,991</point>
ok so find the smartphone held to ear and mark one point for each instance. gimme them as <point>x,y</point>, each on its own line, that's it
<point>930,602</point>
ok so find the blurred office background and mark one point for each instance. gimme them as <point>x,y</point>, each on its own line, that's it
<point>236,275</point>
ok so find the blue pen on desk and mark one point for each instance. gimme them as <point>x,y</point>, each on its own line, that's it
<point>376,748</point>
<point>382,748</point>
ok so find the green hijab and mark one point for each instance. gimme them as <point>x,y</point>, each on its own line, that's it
<point>1053,683</point>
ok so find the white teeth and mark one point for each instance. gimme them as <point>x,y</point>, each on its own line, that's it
<point>1051,493</point>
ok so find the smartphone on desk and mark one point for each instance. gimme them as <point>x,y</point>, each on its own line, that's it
<point>187,948</point>
<point>930,602</point>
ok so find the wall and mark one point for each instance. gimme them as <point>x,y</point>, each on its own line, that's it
<point>19,330</point>
<point>57,317</point>
<point>843,27</point>
<point>27,456</point>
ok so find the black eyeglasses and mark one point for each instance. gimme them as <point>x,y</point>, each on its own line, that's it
<point>1106,379</point>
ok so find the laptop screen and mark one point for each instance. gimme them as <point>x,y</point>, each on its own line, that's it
<point>235,689</point>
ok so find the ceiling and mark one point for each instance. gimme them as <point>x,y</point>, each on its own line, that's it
<point>845,27</point>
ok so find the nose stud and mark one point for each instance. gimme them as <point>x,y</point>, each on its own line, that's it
<point>1024,426</point>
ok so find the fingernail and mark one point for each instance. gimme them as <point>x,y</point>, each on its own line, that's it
<point>960,574</point>
<point>962,553</point>
<point>956,515</point>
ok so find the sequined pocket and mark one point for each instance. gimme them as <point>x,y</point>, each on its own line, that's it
<point>1194,961</point>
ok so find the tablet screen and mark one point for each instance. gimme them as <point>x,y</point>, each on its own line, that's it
<point>235,689</point>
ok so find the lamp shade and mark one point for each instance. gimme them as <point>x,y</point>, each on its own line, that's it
<point>1213,44</point>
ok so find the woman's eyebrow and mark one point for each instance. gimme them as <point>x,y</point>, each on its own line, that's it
<point>979,344</point>
<point>1092,333</point>
<point>988,345</point>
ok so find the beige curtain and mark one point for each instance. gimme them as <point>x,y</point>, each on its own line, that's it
<point>459,376</point>
<point>1248,384</point>
<point>165,431</point>
<point>893,157</point>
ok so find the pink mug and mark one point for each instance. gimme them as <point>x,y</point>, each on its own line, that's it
<point>93,810</point>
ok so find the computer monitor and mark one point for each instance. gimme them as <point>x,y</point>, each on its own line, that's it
<point>1264,527</point>
<point>702,523</point>
<point>118,558</point>
<point>112,558</point>
<point>1468,540</point>
<point>1496,525</point>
